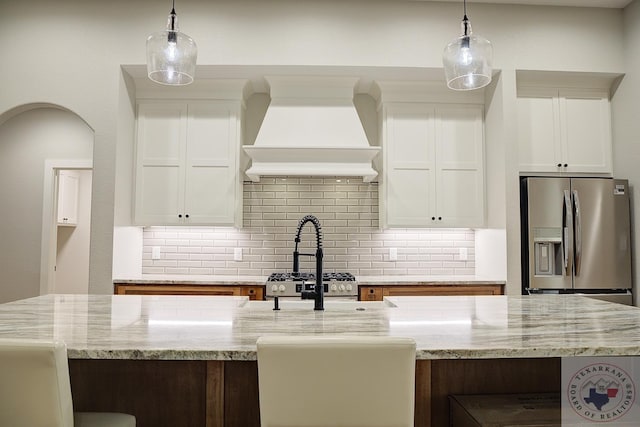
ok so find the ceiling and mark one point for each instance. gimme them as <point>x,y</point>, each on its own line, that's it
<point>616,4</point>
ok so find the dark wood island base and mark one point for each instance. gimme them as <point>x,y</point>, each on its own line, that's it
<point>195,393</point>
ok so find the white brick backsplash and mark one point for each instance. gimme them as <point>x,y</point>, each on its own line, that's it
<point>176,271</point>
<point>348,211</point>
<point>190,264</point>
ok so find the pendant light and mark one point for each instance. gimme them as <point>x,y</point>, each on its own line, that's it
<point>171,55</point>
<point>467,59</point>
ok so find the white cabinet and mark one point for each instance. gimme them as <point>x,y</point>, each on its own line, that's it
<point>68,198</point>
<point>564,130</point>
<point>433,157</point>
<point>187,163</point>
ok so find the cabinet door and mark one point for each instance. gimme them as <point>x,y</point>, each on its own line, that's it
<point>409,166</point>
<point>211,164</point>
<point>586,131</point>
<point>442,290</point>
<point>255,293</point>
<point>160,155</point>
<point>459,166</point>
<point>151,289</point>
<point>67,198</point>
<point>370,293</point>
<point>539,142</point>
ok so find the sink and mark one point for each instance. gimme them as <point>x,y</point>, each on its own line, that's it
<point>329,305</point>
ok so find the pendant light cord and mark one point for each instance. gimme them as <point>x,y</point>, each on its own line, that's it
<point>465,20</point>
<point>171,26</point>
<point>173,15</point>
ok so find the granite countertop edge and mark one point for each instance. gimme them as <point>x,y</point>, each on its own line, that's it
<point>421,354</point>
<point>224,328</point>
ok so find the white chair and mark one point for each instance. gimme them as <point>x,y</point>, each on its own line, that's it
<point>35,389</point>
<point>336,381</point>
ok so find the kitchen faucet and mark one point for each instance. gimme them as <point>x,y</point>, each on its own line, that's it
<point>318,293</point>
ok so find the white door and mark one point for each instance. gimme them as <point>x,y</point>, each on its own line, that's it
<point>72,243</point>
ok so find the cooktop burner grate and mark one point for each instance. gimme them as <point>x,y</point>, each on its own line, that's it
<point>305,277</point>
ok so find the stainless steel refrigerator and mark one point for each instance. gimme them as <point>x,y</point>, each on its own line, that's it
<point>576,237</point>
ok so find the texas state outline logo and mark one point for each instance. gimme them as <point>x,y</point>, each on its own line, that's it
<point>601,392</point>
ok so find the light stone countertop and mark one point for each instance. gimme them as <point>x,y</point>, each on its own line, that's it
<point>167,279</point>
<point>427,280</point>
<point>185,279</point>
<point>226,328</point>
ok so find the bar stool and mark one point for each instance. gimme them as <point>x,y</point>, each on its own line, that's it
<point>35,388</point>
<point>333,381</point>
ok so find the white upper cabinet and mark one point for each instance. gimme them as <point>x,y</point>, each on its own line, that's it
<point>68,198</point>
<point>409,165</point>
<point>161,146</point>
<point>460,165</point>
<point>564,130</point>
<point>187,163</point>
<point>433,157</point>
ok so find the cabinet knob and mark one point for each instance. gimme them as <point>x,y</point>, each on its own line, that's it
<point>186,216</point>
<point>179,215</point>
<point>565,165</point>
<point>439,218</point>
<point>559,165</point>
<point>433,218</point>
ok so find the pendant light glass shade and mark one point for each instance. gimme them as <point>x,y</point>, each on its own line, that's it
<point>171,55</point>
<point>468,60</point>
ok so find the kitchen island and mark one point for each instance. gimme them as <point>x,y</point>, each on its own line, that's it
<point>190,361</point>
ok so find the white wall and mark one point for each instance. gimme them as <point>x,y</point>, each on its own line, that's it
<point>491,243</point>
<point>626,126</point>
<point>69,53</point>
<point>127,252</point>
<point>26,140</point>
<point>491,256</point>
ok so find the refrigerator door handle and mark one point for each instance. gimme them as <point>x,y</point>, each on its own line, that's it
<point>578,232</point>
<point>566,221</point>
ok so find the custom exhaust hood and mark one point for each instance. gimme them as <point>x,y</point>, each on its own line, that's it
<point>311,128</point>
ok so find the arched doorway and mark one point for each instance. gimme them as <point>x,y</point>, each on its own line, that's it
<point>36,141</point>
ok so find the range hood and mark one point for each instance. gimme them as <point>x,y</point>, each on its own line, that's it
<point>311,128</point>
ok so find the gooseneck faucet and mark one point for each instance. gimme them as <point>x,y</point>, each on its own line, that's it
<point>318,293</point>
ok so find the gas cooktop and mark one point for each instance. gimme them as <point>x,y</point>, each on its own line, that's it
<point>303,277</point>
<point>292,284</point>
